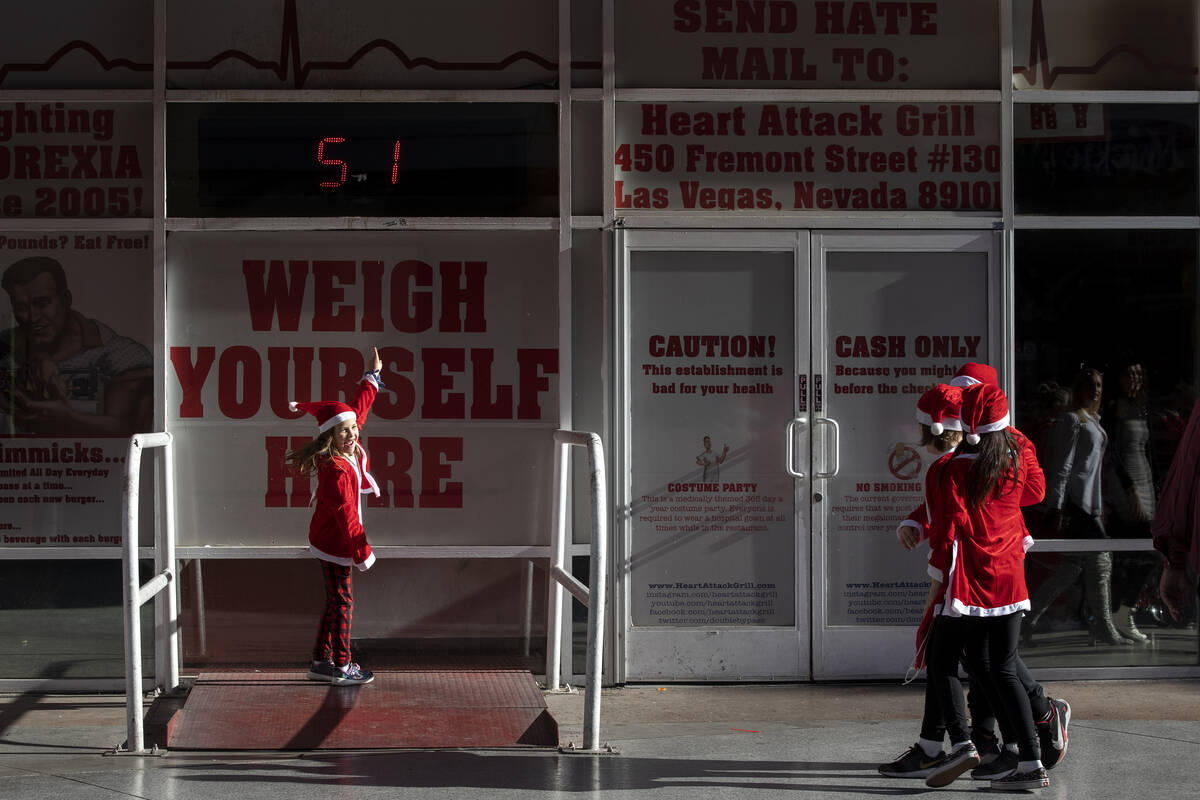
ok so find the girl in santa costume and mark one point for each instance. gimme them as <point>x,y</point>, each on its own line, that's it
<point>336,535</point>
<point>1052,716</point>
<point>977,534</point>
<point>941,432</point>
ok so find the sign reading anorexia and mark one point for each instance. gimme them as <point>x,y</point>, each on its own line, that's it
<point>75,159</point>
<point>467,327</point>
<point>866,44</point>
<point>783,158</point>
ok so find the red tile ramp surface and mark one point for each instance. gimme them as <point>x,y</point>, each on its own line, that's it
<point>398,710</point>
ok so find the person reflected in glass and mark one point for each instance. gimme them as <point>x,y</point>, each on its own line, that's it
<point>1075,509</point>
<point>1129,489</point>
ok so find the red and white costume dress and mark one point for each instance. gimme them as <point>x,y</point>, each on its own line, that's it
<point>979,553</point>
<point>336,532</point>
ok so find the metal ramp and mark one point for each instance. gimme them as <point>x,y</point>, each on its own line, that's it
<point>403,709</point>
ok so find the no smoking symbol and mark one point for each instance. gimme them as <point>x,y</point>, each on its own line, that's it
<point>904,462</point>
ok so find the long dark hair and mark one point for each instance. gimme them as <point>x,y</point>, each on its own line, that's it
<point>308,458</point>
<point>996,463</point>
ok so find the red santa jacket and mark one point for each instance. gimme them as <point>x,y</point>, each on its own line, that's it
<point>1034,490</point>
<point>336,532</point>
<point>926,625</point>
<point>981,550</point>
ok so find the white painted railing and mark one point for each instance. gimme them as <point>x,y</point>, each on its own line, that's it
<point>134,594</point>
<point>592,596</point>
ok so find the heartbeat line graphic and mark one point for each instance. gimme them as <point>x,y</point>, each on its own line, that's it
<point>1038,73</point>
<point>69,47</point>
<point>1039,57</point>
<point>290,61</point>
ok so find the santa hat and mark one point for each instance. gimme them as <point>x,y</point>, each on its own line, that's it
<point>939,409</point>
<point>984,410</point>
<point>328,412</point>
<point>972,373</point>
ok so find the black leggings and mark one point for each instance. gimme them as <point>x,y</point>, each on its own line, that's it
<point>989,645</point>
<point>983,718</point>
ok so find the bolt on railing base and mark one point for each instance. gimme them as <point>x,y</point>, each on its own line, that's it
<point>566,688</point>
<point>155,752</point>
<point>569,749</point>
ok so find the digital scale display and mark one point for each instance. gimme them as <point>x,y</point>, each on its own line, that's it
<point>362,159</point>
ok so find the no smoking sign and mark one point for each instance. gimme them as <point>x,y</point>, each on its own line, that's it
<point>904,462</point>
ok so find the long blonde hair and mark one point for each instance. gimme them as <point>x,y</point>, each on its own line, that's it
<point>308,458</point>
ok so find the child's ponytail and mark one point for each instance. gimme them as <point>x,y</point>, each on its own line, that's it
<point>306,459</point>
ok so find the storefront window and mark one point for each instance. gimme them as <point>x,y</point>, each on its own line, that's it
<point>78,161</point>
<point>786,158</point>
<point>1105,370</point>
<point>266,611</point>
<point>74,44</point>
<point>1104,44</point>
<point>63,619</point>
<point>327,45</point>
<point>708,44</point>
<point>1090,158</point>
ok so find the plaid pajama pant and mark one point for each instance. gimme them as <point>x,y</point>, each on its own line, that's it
<point>333,636</point>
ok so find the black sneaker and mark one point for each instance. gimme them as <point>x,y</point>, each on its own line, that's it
<point>987,744</point>
<point>1052,733</point>
<point>912,763</point>
<point>1063,711</point>
<point>960,759</point>
<point>322,671</point>
<point>1033,779</point>
<point>1001,766</point>
<point>988,753</point>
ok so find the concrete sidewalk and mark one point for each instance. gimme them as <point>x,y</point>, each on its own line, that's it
<point>1127,739</point>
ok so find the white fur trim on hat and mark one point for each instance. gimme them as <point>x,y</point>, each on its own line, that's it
<point>335,419</point>
<point>292,406</point>
<point>963,381</point>
<point>992,427</point>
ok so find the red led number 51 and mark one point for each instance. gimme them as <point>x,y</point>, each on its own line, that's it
<point>344,168</point>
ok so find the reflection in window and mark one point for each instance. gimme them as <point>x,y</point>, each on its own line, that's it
<point>1089,158</point>
<point>1105,399</point>
<point>63,619</point>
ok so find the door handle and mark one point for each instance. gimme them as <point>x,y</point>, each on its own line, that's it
<point>837,446</point>
<point>789,459</point>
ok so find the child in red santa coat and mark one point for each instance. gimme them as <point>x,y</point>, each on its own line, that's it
<point>977,528</point>
<point>1051,716</point>
<point>336,535</point>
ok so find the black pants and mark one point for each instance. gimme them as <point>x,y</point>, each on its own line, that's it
<point>989,645</point>
<point>983,716</point>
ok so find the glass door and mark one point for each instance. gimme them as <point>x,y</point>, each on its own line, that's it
<point>712,567</point>
<point>893,314</point>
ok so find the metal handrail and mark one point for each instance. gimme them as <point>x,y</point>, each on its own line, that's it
<point>135,595</point>
<point>595,596</point>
